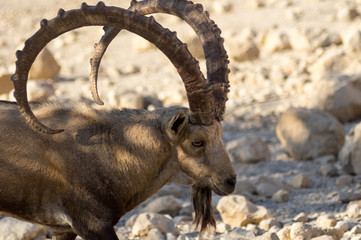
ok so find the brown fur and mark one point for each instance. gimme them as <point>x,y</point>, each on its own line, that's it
<point>81,181</point>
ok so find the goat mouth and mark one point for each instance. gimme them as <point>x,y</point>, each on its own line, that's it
<point>218,191</point>
<point>225,187</point>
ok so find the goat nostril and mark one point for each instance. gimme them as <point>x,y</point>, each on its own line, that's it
<point>231,181</point>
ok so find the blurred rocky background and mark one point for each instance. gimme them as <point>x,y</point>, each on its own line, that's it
<point>291,127</point>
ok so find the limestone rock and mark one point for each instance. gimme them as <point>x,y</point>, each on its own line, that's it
<point>223,6</point>
<point>194,45</point>
<point>141,45</point>
<point>344,156</point>
<point>356,150</point>
<point>164,205</point>
<point>301,181</point>
<point>147,221</point>
<point>128,99</point>
<point>267,236</point>
<point>12,229</point>
<point>257,4</point>
<point>281,196</point>
<point>344,180</point>
<point>333,62</point>
<point>342,225</point>
<point>326,221</point>
<point>337,94</point>
<point>347,13</point>
<point>323,237</point>
<point>241,50</point>
<point>155,234</point>
<point>284,233</point>
<point>354,209</point>
<point>45,66</point>
<point>352,40</point>
<point>299,41</point>
<point>356,229</point>
<point>348,195</point>
<point>329,170</point>
<point>6,85</point>
<point>309,133</point>
<point>301,217</point>
<point>276,40</point>
<point>300,231</point>
<point>250,149</point>
<point>239,233</point>
<point>237,211</point>
<point>266,224</point>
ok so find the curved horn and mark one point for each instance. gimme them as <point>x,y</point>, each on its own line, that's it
<point>198,92</point>
<point>216,56</point>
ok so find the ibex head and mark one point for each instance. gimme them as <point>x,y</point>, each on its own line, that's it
<point>196,133</point>
<point>201,153</point>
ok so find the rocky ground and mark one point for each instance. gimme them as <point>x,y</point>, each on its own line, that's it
<point>291,124</point>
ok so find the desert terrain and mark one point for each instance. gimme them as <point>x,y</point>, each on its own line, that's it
<point>303,55</point>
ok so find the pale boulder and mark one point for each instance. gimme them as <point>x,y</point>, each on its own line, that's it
<point>6,85</point>
<point>12,229</point>
<point>337,94</point>
<point>300,230</point>
<point>141,45</point>
<point>239,233</point>
<point>242,49</point>
<point>309,133</point>
<point>344,156</point>
<point>299,40</point>
<point>333,61</point>
<point>301,181</point>
<point>237,211</point>
<point>354,209</point>
<point>347,13</point>
<point>223,6</point>
<point>356,150</point>
<point>276,40</point>
<point>164,205</point>
<point>266,224</point>
<point>249,149</point>
<point>344,180</point>
<point>280,196</point>
<point>126,99</point>
<point>352,40</point>
<point>147,221</point>
<point>45,66</point>
<point>326,221</point>
<point>301,217</point>
<point>284,233</point>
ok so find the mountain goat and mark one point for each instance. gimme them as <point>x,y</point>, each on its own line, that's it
<point>79,180</point>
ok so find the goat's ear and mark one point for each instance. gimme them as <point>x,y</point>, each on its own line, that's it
<point>177,123</point>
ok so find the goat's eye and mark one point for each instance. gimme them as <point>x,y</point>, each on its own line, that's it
<point>198,144</point>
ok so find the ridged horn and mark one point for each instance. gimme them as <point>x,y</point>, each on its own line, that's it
<point>198,91</point>
<point>208,32</point>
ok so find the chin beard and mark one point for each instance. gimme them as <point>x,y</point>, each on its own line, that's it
<point>202,204</point>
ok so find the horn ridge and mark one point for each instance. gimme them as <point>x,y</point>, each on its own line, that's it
<point>209,33</point>
<point>109,16</point>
